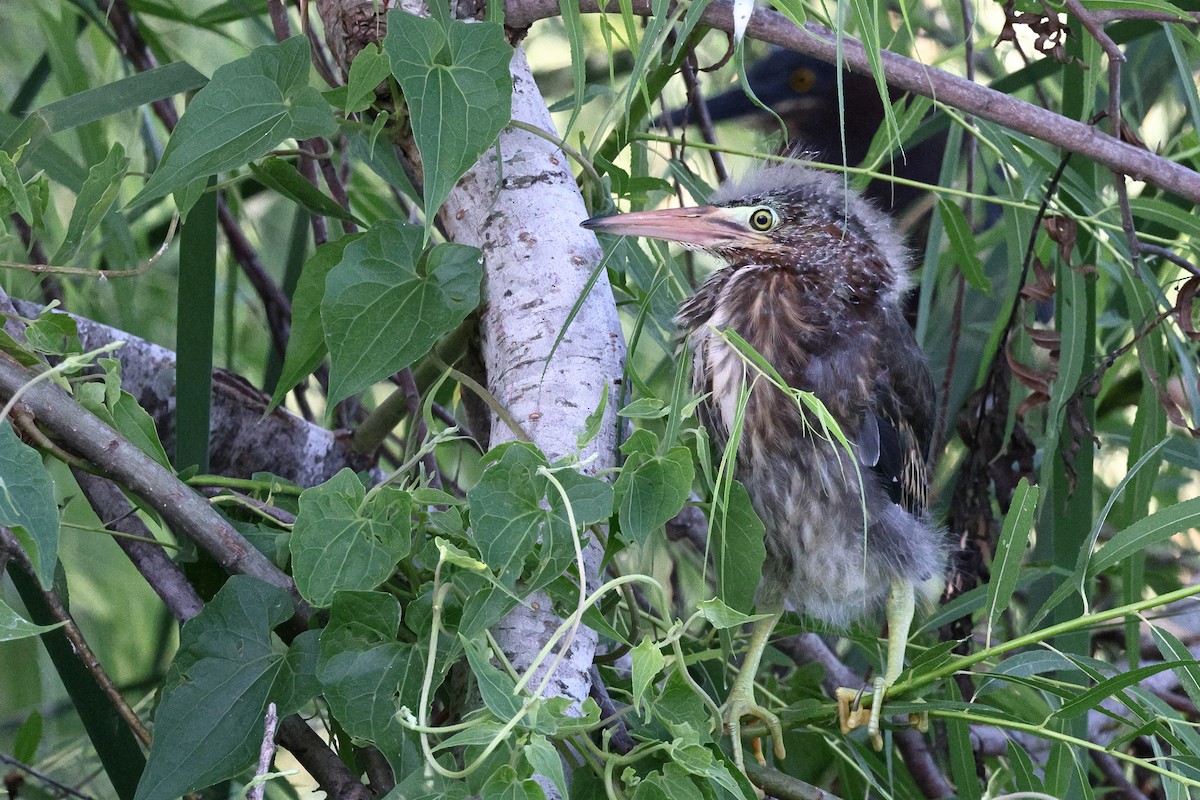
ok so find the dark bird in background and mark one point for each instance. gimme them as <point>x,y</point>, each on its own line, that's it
<point>804,93</point>
<point>814,279</point>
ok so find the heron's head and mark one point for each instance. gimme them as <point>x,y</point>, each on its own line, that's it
<point>787,216</point>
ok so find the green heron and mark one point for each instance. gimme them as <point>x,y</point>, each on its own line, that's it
<point>813,279</point>
<point>804,92</point>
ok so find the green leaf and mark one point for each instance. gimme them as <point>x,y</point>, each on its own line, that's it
<point>594,420</point>
<point>138,89</point>
<point>209,724</point>
<point>673,784</point>
<point>700,761</point>
<point>458,89</point>
<point>546,762</point>
<point>1090,699</point>
<point>344,539</point>
<point>27,503</point>
<point>495,687</point>
<point>13,626</point>
<point>647,661</point>
<point>1157,527</point>
<point>962,757</point>
<point>458,557</point>
<point>506,512</point>
<point>645,408</point>
<point>962,245</point>
<point>651,489</point>
<point>97,196</point>
<point>14,187</point>
<point>366,674</point>
<point>306,343</point>
<point>250,106</point>
<point>382,311</point>
<point>122,413</point>
<point>721,616</point>
<point>503,784</point>
<point>1010,550</point>
<point>369,69</point>
<point>54,333</point>
<point>1174,650</point>
<point>283,177</point>
<point>29,736</point>
<point>738,548</point>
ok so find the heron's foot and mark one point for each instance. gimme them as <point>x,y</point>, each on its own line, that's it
<point>741,703</point>
<point>852,715</point>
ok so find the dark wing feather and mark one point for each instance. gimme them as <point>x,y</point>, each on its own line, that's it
<point>904,408</point>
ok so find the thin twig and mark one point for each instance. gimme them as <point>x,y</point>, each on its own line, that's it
<point>703,119</point>
<point>102,274</point>
<point>1115,120</point>
<point>266,752</point>
<point>44,778</point>
<point>79,644</point>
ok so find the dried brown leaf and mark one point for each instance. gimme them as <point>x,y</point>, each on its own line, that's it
<point>1184,308</point>
<point>1042,288</point>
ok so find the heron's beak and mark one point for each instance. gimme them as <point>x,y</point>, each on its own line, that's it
<point>699,226</point>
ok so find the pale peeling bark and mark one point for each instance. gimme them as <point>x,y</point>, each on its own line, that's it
<point>243,438</point>
<point>520,205</point>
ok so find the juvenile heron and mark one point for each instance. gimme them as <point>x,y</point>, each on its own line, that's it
<point>813,280</point>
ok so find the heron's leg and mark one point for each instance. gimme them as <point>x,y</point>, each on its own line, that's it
<point>741,702</point>
<point>901,605</point>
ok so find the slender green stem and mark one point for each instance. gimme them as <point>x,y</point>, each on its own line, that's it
<point>119,534</point>
<point>1048,733</point>
<point>487,397</point>
<point>1041,635</point>
<point>244,484</point>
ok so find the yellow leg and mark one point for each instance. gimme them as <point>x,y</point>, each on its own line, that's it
<point>741,702</point>
<point>901,604</point>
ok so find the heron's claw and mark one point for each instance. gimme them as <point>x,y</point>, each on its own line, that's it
<point>852,715</point>
<point>741,703</point>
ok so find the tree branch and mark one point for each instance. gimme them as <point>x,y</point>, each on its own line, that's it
<point>912,76</point>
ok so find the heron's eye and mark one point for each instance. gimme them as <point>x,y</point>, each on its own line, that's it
<point>802,80</point>
<point>763,219</point>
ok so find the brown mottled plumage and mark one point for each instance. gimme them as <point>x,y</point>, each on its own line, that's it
<point>813,280</point>
<point>821,303</point>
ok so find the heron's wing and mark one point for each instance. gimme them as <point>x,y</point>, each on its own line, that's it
<point>903,415</point>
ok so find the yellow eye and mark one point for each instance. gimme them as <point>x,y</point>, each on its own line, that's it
<point>802,80</point>
<point>763,219</point>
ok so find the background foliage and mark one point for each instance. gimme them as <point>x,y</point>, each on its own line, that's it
<point>1055,304</point>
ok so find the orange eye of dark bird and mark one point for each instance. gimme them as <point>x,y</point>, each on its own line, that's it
<point>762,219</point>
<point>802,80</point>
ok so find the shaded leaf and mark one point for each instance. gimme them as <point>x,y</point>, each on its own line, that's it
<point>283,177</point>
<point>250,106</point>
<point>456,83</point>
<point>383,308</point>
<point>366,675</point>
<point>209,724</point>
<point>963,246</point>
<point>344,539</point>
<point>306,343</point>
<point>1010,551</point>
<point>369,69</point>
<point>27,503</point>
<point>97,196</point>
<point>13,626</point>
